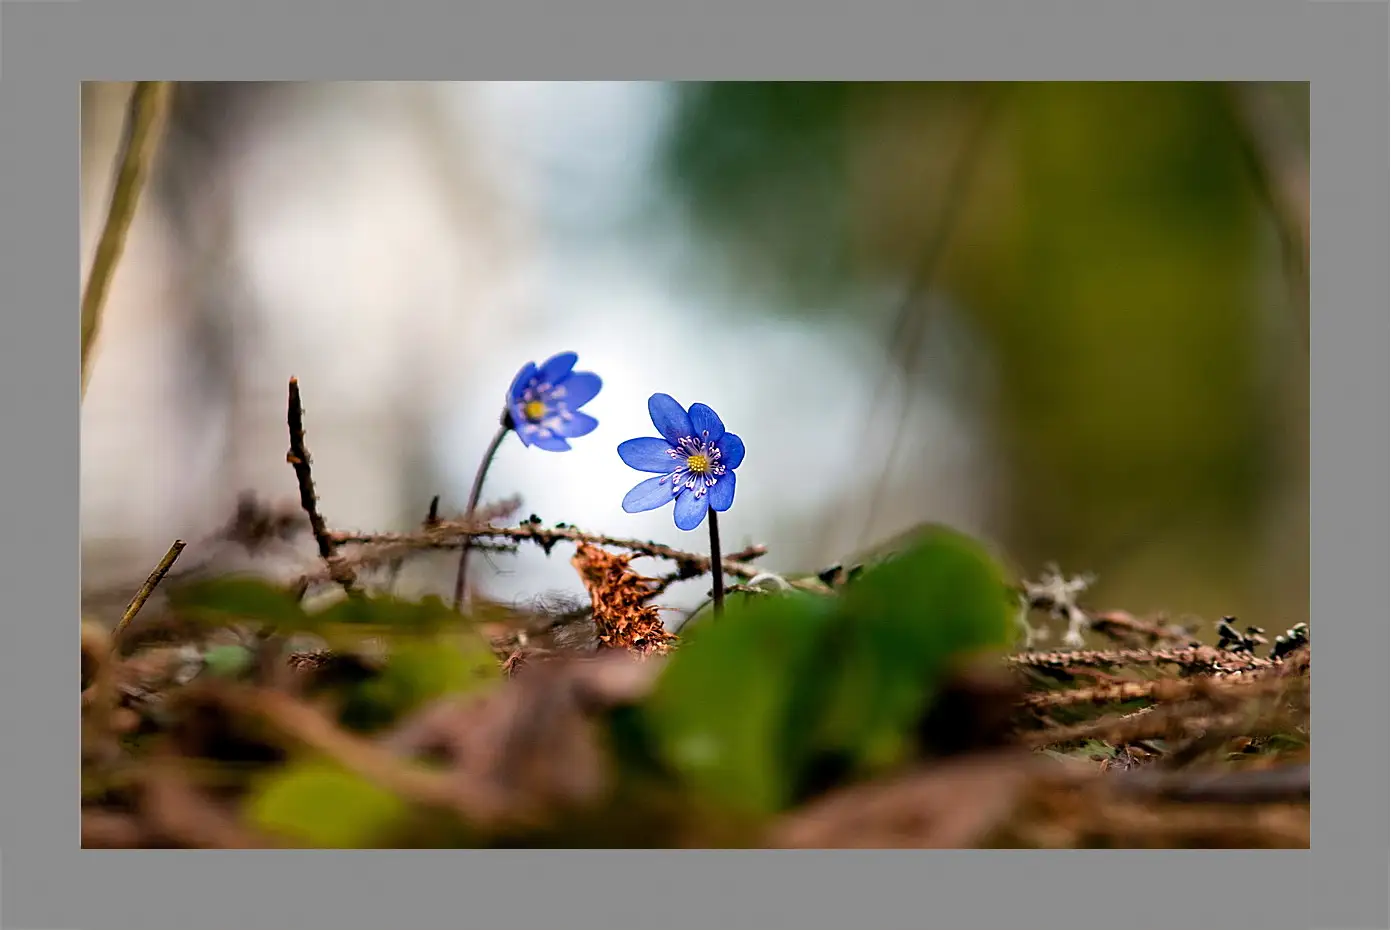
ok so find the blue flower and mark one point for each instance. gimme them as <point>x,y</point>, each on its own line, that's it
<point>544,402</point>
<point>695,459</point>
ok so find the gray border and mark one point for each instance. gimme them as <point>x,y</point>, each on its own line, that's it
<point>1340,47</point>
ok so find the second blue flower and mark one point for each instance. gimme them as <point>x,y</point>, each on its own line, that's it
<point>544,402</point>
<point>694,458</point>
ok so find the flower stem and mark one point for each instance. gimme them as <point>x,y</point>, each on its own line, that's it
<point>716,564</point>
<point>504,427</point>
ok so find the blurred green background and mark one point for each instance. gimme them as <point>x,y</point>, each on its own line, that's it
<point>1129,260</point>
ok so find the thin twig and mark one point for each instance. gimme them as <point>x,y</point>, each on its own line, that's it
<point>1168,721</point>
<point>1123,627</point>
<point>684,573</point>
<point>383,547</point>
<point>1159,690</point>
<point>386,554</point>
<point>392,549</point>
<point>298,457</point>
<point>148,588</point>
<point>448,534</point>
<point>1204,658</point>
<point>146,115</point>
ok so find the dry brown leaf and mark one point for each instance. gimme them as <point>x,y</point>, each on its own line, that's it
<point>622,615</point>
<point>951,805</point>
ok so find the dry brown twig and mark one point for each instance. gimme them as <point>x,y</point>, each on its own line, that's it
<point>148,588</point>
<point>298,457</point>
<point>392,548</point>
<point>100,693</point>
<point>1130,630</point>
<point>1197,658</point>
<point>451,534</point>
<point>385,556</point>
<point>1184,720</point>
<point>1162,690</point>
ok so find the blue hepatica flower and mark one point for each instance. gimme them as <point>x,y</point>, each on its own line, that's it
<point>695,460</point>
<point>544,402</point>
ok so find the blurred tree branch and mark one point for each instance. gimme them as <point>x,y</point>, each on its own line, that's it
<point>910,319</point>
<point>1262,155</point>
<point>146,116</point>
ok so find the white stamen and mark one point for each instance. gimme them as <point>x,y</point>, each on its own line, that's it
<point>682,477</point>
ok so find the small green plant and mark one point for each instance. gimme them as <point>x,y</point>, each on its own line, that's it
<point>752,706</point>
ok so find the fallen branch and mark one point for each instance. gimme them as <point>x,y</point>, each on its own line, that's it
<point>1161,690</point>
<point>148,588</point>
<point>451,534</point>
<point>1174,721</point>
<point>1197,658</point>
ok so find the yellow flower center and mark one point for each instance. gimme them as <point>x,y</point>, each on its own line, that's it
<point>698,464</point>
<point>534,410</point>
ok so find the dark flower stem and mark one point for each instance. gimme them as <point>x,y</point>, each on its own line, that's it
<point>716,564</point>
<point>504,427</point>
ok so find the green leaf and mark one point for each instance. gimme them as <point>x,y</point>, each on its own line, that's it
<point>238,598</point>
<point>763,705</point>
<point>227,661</point>
<point>946,594</point>
<point>322,805</point>
<point>419,671</point>
<point>734,600</point>
<point>383,613</point>
<point>720,712</point>
<point>906,622</point>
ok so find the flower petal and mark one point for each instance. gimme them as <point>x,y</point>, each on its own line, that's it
<point>579,389</point>
<point>647,495</point>
<point>647,453</point>
<point>704,420</point>
<point>557,367</point>
<point>550,442</point>
<point>721,496</point>
<point>669,417</point>
<point>519,383</point>
<point>731,451</point>
<point>579,424</point>
<point>689,510</point>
